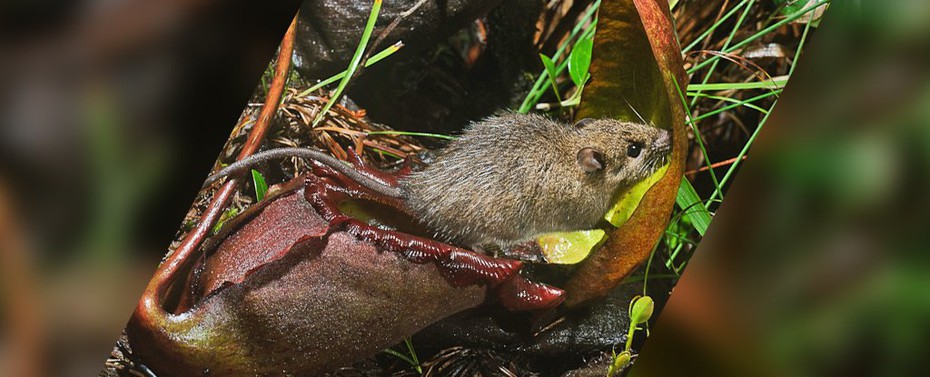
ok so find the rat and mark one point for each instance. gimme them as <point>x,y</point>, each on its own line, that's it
<point>512,177</point>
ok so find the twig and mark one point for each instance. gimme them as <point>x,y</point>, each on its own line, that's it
<point>714,165</point>
<point>182,256</point>
<point>384,148</point>
<point>384,33</point>
<point>282,67</point>
<point>552,39</point>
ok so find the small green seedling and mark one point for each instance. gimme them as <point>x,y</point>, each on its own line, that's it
<point>230,213</point>
<point>413,360</point>
<point>640,311</point>
<point>552,74</point>
<point>641,308</point>
<point>620,360</point>
<point>579,62</point>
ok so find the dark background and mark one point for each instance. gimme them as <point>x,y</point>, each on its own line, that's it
<point>112,113</point>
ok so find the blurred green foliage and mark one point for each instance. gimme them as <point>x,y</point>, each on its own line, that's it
<point>817,263</point>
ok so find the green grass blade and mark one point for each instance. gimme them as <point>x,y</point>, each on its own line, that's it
<point>776,83</point>
<point>533,96</point>
<point>726,44</point>
<point>714,26</point>
<point>354,63</point>
<point>411,359</point>
<point>744,103</point>
<point>760,33</point>
<point>745,149</point>
<point>728,107</point>
<point>689,201</point>
<point>374,59</point>
<point>399,356</point>
<point>797,54</point>
<point>413,355</point>
<point>743,152</point>
<point>698,138</point>
<point>408,133</point>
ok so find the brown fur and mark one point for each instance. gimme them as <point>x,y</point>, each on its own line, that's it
<point>509,178</point>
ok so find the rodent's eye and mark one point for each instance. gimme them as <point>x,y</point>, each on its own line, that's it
<point>590,159</point>
<point>583,122</point>
<point>634,149</point>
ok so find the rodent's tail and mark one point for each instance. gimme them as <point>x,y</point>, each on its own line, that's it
<point>308,153</point>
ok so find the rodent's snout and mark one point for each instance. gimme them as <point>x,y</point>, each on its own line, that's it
<point>664,141</point>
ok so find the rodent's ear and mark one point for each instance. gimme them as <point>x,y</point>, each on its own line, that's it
<point>590,159</point>
<point>583,122</point>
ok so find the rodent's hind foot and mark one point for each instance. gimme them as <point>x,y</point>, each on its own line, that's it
<point>528,251</point>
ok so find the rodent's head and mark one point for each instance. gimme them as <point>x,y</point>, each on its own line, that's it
<point>621,153</point>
